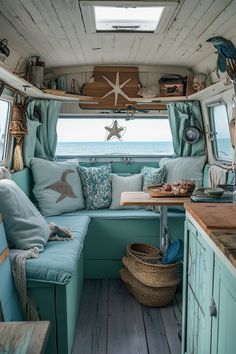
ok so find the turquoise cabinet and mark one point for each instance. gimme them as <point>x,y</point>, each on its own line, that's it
<point>209,298</point>
<point>224,319</point>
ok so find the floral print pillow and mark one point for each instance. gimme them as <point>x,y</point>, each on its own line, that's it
<point>96,185</point>
<point>153,176</point>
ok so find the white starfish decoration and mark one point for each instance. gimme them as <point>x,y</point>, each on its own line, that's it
<point>116,88</point>
<point>115,131</point>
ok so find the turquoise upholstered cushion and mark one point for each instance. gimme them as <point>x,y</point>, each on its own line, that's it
<point>152,176</point>
<point>96,183</point>
<point>124,184</point>
<point>57,186</point>
<point>58,262</point>
<point>184,167</point>
<point>24,225</point>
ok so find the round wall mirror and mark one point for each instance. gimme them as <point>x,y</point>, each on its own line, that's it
<point>191,135</point>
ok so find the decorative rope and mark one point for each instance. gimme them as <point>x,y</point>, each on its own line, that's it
<point>19,274</point>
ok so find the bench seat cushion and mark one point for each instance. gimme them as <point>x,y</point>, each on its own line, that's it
<point>123,214</point>
<point>58,262</point>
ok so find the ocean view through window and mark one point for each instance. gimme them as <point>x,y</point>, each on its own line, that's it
<point>221,143</point>
<point>4,111</point>
<point>86,137</point>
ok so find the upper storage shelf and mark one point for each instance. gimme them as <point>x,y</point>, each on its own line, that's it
<point>211,90</point>
<point>30,90</point>
<point>208,92</point>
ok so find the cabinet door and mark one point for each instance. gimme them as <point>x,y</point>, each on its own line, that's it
<point>224,321</point>
<point>197,292</point>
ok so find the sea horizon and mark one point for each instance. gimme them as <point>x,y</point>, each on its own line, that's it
<point>149,148</point>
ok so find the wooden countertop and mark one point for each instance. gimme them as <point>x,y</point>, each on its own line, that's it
<point>144,199</point>
<point>219,223</point>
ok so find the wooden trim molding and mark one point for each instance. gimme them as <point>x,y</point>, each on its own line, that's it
<point>4,255</point>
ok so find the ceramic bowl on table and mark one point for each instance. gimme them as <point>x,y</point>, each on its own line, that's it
<point>214,192</point>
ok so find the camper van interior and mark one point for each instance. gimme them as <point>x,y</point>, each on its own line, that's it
<point>117,177</point>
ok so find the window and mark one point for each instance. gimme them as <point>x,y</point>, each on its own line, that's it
<point>4,113</point>
<point>221,143</point>
<point>86,137</point>
<point>139,19</point>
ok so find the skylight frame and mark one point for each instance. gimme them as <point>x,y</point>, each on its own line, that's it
<point>87,10</point>
<point>127,19</point>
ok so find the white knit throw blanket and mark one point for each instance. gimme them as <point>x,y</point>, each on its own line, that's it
<point>217,175</point>
<point>19,274</point>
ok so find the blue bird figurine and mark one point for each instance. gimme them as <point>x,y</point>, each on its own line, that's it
<point>226,51</point>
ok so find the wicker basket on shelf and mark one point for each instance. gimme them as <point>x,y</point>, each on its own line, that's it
<point>149,281</point>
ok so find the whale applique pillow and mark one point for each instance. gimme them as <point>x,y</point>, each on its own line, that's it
<point>57,186</point>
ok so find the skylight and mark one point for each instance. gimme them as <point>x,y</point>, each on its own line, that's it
<point>131,19</point>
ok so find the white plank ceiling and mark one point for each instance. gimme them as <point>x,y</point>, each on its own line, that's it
<point>54,29</point>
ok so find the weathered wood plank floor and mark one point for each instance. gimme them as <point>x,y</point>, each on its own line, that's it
<point>112,322</point>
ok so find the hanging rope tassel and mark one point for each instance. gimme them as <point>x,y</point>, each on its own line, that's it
<point>18,163</point>
<point>18,131</point>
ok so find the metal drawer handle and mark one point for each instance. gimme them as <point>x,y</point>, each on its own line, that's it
<point>213,310</point>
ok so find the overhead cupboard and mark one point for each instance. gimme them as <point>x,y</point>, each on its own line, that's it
<point>209,295</point>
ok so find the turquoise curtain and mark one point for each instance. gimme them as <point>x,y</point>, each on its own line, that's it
<point>41,140</point>
<point>182,115</point>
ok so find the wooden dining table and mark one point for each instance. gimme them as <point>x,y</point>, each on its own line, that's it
<point>144,199</point>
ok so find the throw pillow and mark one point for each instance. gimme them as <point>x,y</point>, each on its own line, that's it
<point>57,187</point>
<point>24,225</point>
<point>96,184</point>
<point>184,167</point>
<point>124,184</point>
<point>152,176</point>
<point>5,173</point>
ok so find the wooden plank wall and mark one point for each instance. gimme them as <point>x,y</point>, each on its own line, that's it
<point>42,28</point>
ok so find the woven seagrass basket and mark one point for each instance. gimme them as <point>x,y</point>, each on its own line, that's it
<point>147,295</point>
<point>150,274</point>
<point>151,283</point>
<point>143,251</point>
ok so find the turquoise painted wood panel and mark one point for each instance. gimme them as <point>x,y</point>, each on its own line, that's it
<point>200,266</point>
<point>44,296</point>
<point>67,309</point>
<point>107,239</point>
<point>185,288</point>
<point>115,248</point>
<point>198,286</point>
<point>121,167</point>
<point>10,305</point>
<point>99,269</point>
<point>224,322</point>
<point>59,304</point>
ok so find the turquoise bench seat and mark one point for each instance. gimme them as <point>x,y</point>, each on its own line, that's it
<point>58,262</point>
<point>110,231</point>
<point>122,214</point>
<point>55,279</point>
